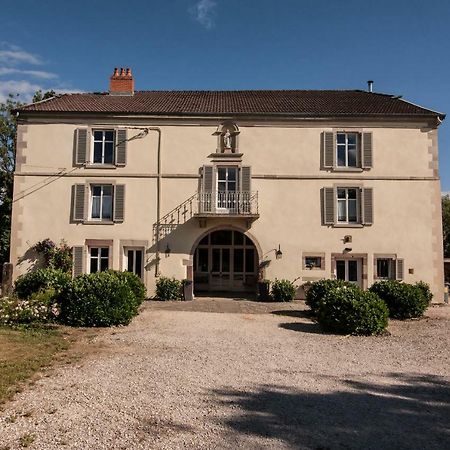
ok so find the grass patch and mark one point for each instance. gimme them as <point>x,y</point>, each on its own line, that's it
<point>23,352</point>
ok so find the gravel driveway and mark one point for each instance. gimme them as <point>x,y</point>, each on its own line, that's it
<point>186,375</point>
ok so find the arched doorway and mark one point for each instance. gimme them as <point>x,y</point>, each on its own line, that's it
<point>225,260</point>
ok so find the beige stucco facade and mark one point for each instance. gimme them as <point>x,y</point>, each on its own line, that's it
<point>286,170</point>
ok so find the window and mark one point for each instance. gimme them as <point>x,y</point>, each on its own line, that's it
<point>101,202</point>
<point>349,270</point>
<point>103,150</point>
<point>347,149</point>
<point>313,262</point>
<point>385,268</point>
<point>135,259</point>
<point>347,205</point>
<point>99,259</point>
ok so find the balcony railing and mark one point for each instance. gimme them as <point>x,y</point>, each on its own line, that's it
<point>240,203</point>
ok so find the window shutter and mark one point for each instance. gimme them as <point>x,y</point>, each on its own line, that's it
<point>79,196</point>
<point>328,149</point>
<point>367,206</point>
<point>119,203</point>
<point>207,179</point>
<point>206,197</point>
<point>121,147</point>
<point>81,146</point>
<point>328,201</point>
<point>78,260</point>
<point>400,269</point>
<point>367,151</point>
<point>246,178</point>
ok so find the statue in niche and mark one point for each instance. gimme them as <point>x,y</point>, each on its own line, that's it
<point>227,140</point>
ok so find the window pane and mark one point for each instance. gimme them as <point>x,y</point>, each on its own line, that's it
<point>313,261</point>
<point>95,208</point>
<point>383,268</point>
<point>221,186</point>
<point>238,260</point>
<point>108,153</point>
<point>341,193</point>
<point>221,173</point>
<point>352,216</point>
<point>204,241</point>
<point>340,270</point>
<point>104,264</point>
<point>107,207</point>
<point>104,252</point>
<point>203,259</point>
<point>250,260</point>
<point>352,193</point>
<point>340,138</point>
<point>107,190</point>
<point>351,138</point>
<point>109,136</point>
<point>352,270</point>
<point>341,155</point>
<point>342,216</point>
<point>138,271</point>
<point>215,259</point>
<point>221,237</point>
<point>97,152</point>
<point>352,157</point>
<point>225,260</point>
<point>130,260</point>
<point>94,262</point>
<point>231,174</point>
<point>94,251</point>
<point>96,190</point>
<point>98,135</point>
<point>238,238</point>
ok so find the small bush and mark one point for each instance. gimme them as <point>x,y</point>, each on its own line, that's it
<point>99,300</point>
<point>318,289</point>
<point>283,291</point>
<point>41,307</point>
<point>425,288</point>
<point>351,310</point>
<point>28,284</point>
<point>168,289</point>
<point>135,283</point>
<point>55,257</point>
<point>404,301</point>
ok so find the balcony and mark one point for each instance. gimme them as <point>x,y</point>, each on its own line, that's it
<point>242,204</point>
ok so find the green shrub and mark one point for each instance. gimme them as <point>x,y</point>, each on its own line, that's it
<point>99,300</point>
<point>55,257</point>
<point>135,283</point>
<point>283,291</point>
<point>318,289</point>
<point>350,310</point>
<point>425,288</point>
<point>168,289</point>
<point>41,307</point>
<point>404,301</point>
<point>28,284</point>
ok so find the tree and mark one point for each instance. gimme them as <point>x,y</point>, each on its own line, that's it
<point>446,224</point>
<point>39,95</point>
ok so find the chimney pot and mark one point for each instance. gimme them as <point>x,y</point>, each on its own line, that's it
<point>370,85</point>
<point>121,82</point>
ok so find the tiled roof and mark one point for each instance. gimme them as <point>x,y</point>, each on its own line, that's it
<point>295,103</point>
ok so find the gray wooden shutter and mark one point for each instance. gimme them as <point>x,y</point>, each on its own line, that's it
<point>81,146</point>
<point>328,202</point>
<point>400,271</point>
<point>246,179</point>
<point>367,151</point>
<point>328,149</point>
<point>367,206</point>
<point>121,147</point>
<point>119,203</point>
<point>207,179</point>
<point>79,196</point>
<point>78,260</point>
<point>206,197</point>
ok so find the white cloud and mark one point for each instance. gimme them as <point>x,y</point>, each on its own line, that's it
<point>32,73</point>
<point>24,88</point>
<point>204,12</point>
<point>12,55</point>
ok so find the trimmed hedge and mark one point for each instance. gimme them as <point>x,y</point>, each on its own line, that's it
<point>283,291</point>
<point>350,310</point>
<point>100,300</point>
<point>404,301</point>
<point>39,280</point>
<point>318,289</point>
<point>169,289</point>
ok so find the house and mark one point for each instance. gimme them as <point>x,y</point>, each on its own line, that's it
<point>229,187</point>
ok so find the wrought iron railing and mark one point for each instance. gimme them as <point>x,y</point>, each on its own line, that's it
<point>228,203</point>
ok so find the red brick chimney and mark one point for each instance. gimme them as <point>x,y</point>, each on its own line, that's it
<point>121,83</point>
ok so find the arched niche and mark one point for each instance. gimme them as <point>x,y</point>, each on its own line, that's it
<point>227,137</point>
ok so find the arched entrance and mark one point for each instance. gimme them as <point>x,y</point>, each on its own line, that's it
<point>225,260</point>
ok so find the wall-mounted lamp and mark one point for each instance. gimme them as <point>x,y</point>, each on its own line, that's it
<point>278,253</point>
<point>167,251</point>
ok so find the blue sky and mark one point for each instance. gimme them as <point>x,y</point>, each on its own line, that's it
<point>404,45</point>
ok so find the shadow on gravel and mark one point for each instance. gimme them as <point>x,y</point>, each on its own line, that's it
<point>303,327</point>
<point>293,313</point>
<point>405,411</point>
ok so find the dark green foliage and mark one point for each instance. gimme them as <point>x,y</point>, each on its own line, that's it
<point>135,283</point>
<point>99,300</point>
<point>350,310</point>
<point>283,291</point>
<point>56,257</point>
<point>318,289</point>
<point>168,289</point>
<point>405,301</point>
<point>41,279</point>
<point>425,288</point>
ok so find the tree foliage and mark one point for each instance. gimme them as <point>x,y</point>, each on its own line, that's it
<point>446,224</point>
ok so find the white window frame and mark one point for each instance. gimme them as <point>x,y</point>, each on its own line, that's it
<point>102,195</point>
<point>358,205</point>
<point>346,145</point>
<point>134,249</point>
<point>391,271</point>
<point>227,201</point>
<point>318,258</point>
<point>99,257</point>
<point>359,268</point>
<point>103,141</point>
